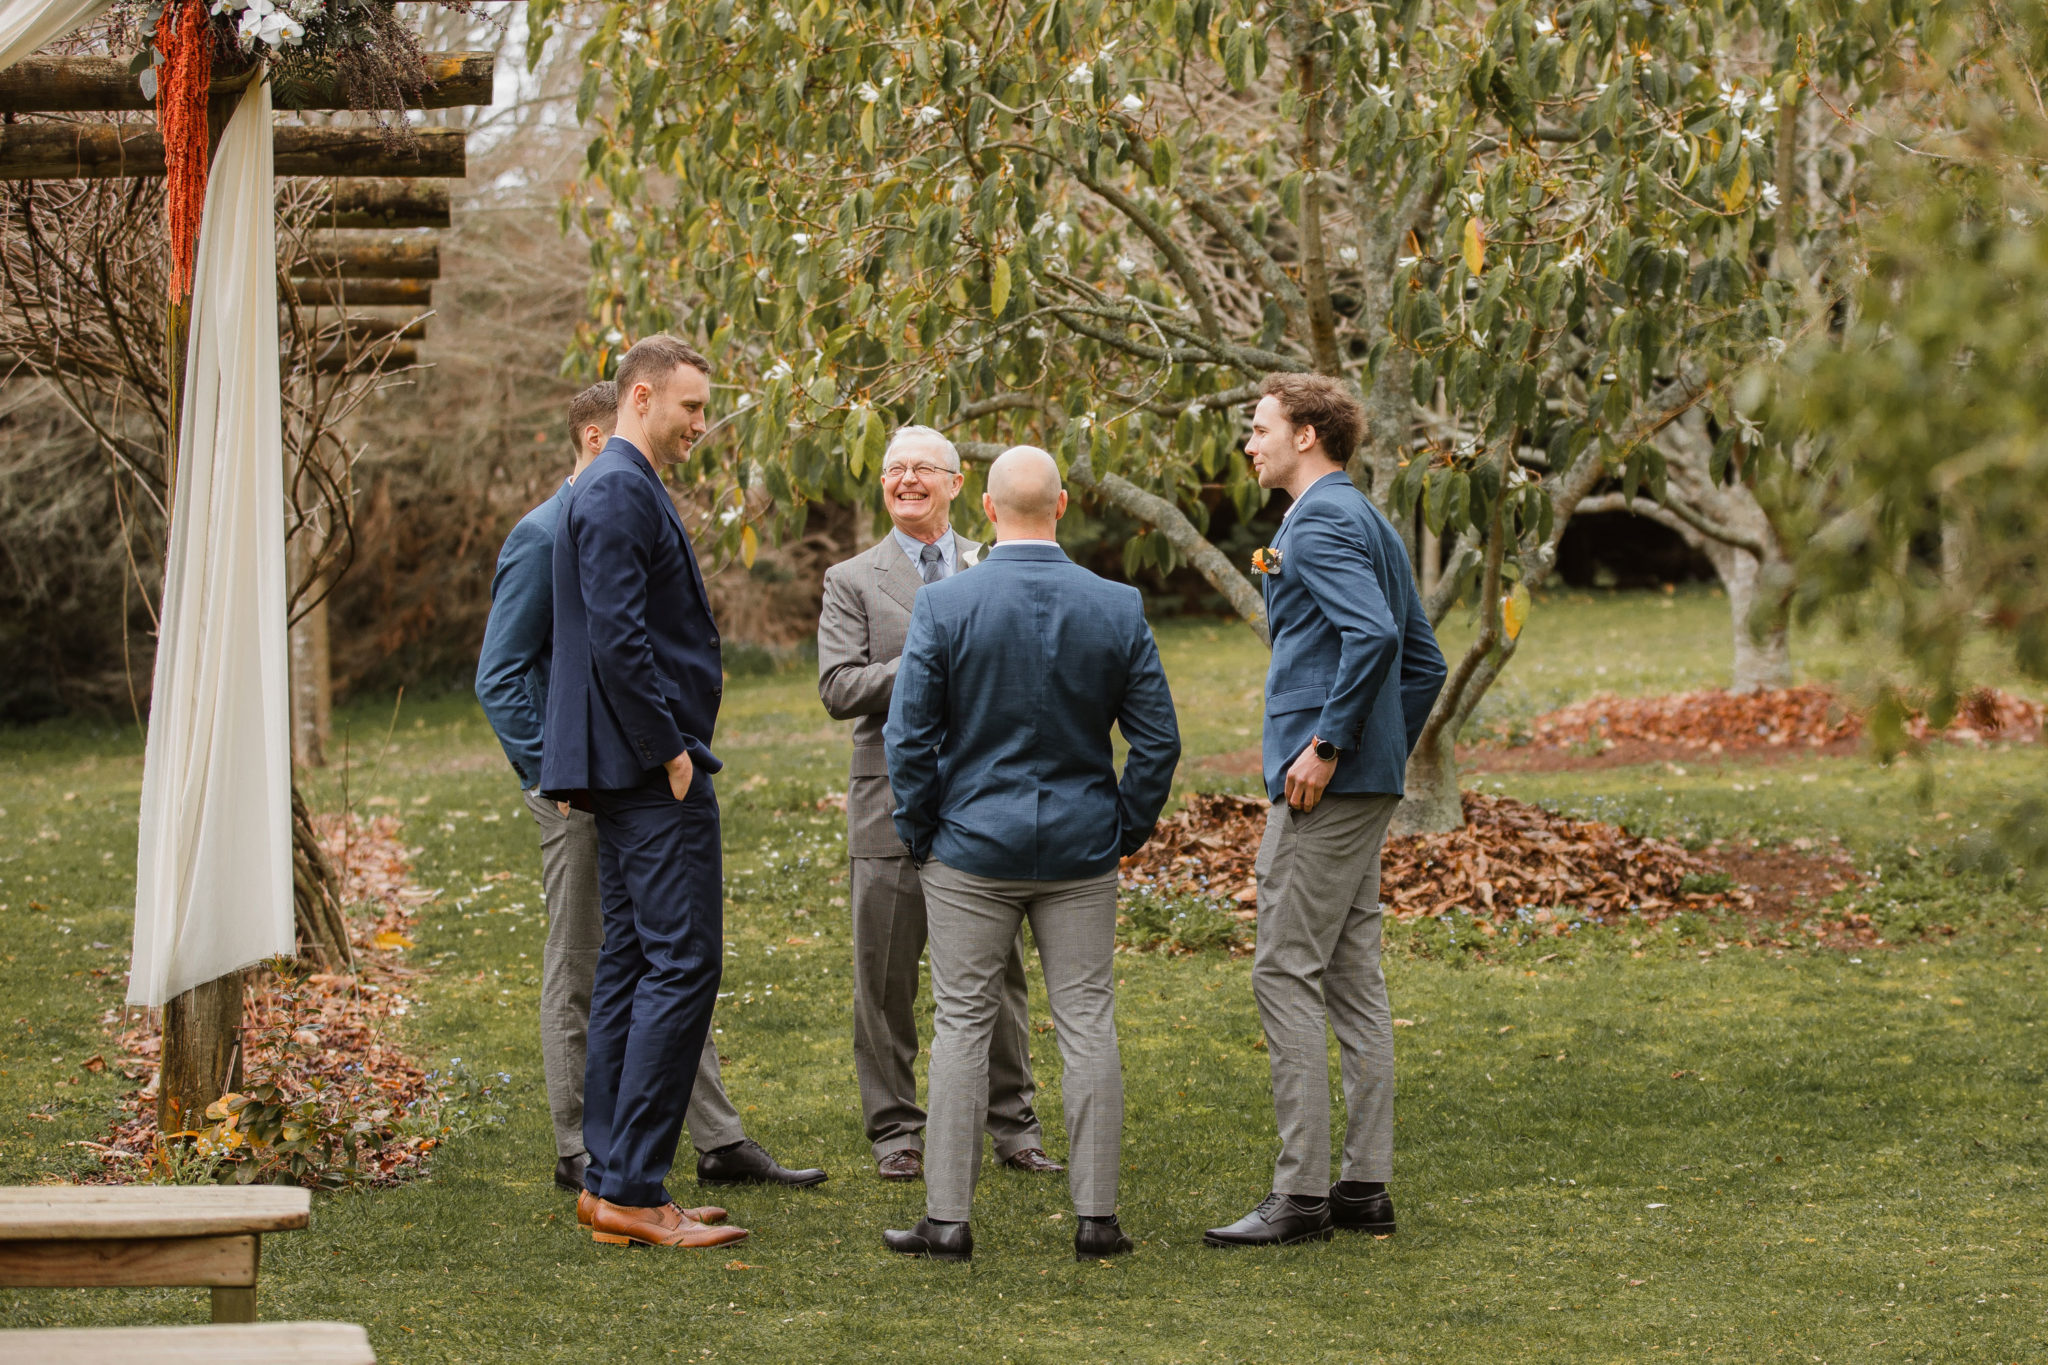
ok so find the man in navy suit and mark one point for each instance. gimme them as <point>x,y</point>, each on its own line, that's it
<point>1354,673</point>
<point>1008,799</point>
<point>632,700</point>
<point>512,686</point>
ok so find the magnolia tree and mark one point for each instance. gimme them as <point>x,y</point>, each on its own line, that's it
<point>1928,411</point>
<point>1534,240</point>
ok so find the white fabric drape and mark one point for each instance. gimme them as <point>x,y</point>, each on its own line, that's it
<point>213,879</point>
<point>26,25</point>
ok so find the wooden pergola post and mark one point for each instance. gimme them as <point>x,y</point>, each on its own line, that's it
<point>202,1027</point>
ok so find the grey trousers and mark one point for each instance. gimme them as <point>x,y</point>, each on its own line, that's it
<point>974,925</point>
<point>888,941</point>
<point>568,877</point>
<point>1318,962</point>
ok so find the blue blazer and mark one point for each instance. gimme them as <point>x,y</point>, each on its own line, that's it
<point>636,677</point>
<point>1354,659</point>
<point>998,736</point>
<point>512,667</point>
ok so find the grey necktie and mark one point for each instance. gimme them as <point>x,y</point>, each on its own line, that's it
<point>930,567</point>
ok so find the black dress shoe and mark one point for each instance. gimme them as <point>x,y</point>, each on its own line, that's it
<point>939,1241</point>
<point>1033,1161</point>
<point>569,1171</point>
<point>747,1162</point>
<point>1372,1213</point>
<point>1278,1222</point>
<point>1096,1238</point>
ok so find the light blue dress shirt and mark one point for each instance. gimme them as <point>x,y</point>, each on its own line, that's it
<point>913,547</point>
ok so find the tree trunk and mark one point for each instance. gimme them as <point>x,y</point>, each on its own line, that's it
<point>1763,659</point>
<point>202,1053</point>
<point>1433,803</point>
<point>316,901</point>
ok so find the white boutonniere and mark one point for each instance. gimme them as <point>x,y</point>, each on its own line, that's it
<point>969,558</point>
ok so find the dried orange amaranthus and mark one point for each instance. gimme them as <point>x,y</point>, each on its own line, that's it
<point>186,37</point>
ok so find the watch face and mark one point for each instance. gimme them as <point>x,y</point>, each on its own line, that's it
<point>1325,750</point>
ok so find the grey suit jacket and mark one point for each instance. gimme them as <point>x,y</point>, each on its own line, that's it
<point>860,640</point>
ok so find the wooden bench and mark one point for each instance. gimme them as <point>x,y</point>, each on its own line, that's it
<point>255,1343</point>
<point>70,1236</point>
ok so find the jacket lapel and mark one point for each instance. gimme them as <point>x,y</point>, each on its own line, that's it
<point>898,576</point>
<point>675,519</point>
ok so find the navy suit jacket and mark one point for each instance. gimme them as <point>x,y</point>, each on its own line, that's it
<point>636,677</point>
<point>1354,659</point>
<point>512,667</point>
<point>998,736</point>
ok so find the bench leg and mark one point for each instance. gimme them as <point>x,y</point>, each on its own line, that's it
<point>234,1303</point>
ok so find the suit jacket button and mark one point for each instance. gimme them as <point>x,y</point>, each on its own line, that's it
<point>714,641</point>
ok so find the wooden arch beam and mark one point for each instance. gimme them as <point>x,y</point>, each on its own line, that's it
<point>87,85</point>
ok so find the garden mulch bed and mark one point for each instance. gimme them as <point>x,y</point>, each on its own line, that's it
<point>340,1023</point>
<point>1609,731</point>
<point>1513,862</point>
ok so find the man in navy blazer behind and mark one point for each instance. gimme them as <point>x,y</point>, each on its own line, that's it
<point>632,699</point>
<point>999,753</point>
<point>1355,670</point>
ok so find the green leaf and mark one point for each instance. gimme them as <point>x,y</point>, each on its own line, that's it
<point>999,287</point>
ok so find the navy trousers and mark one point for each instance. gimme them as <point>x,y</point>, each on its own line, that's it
<point>661,880</point>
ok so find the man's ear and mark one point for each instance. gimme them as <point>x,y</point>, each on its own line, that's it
<point>988,508</point>
<point>1304,437</point>
<point>1059,509</point>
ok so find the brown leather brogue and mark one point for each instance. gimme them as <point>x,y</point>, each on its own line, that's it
<point>906,1163</point>
<point>586,1201</point>
<point>1033,1161</point>
<point>667,1226</point>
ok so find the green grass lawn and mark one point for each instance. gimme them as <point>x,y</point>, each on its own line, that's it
<point>1664,1150</point>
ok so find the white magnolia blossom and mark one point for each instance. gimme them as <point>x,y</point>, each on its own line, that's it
<point>1081,77</point>
<point>1043,223</point>
<point>802,241</point>
<point>1133,104</point>
<point>1752,137</point>
<point>729,516</point>
<point>1767,103</point>
<point>783,20</point>
<point>1348,255</point>
<point>1775,345</point>
<point>1474,200</point>
<point>1196,408</point>
<point>1403,262</point>
<point>927,115</point>
<point>781,369</point>
<point>1127,265</point>
<point>1769,194</point>
<point>1063,232</point>
<point>868,91</point>
<point>1546,27</point>
<point>1734,97</point>
<point>1383,93</point>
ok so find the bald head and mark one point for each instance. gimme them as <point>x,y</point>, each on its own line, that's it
<point>1024,483</point>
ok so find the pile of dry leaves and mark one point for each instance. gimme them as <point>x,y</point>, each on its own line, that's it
<point>1810,717</point>
<point>323,1037</point>
<point>1509,860</point>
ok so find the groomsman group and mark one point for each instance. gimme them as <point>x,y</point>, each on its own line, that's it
<point>983,684</point>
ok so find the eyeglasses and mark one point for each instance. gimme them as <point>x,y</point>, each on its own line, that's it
<point>895,472</point>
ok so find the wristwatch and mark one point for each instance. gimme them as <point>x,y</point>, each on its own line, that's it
<point>1326,751</point>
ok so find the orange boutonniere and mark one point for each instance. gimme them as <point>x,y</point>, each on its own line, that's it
<point>1266,560</point>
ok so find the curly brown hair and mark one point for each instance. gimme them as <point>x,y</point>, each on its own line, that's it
<point>597,406</point>
<point>1327,405</point>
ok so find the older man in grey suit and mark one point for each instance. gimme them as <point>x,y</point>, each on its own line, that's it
<point>860,636</point>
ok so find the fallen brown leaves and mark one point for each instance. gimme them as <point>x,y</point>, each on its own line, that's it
<point>1709,722</point>
<point>340,1023</point>
<point>1510,860</point>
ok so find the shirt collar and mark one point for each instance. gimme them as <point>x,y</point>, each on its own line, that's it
<point>913,547</point>
<point>1054,543</point>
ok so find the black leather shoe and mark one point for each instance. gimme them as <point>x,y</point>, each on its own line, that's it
<point>1278,1222</point>
<point>939,1241</point>
<point>746,1162</point>
<point>1372,1213</point>
<point>569,1171</point>
<point>1033,1161</point>
<point>1096,1238</point>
